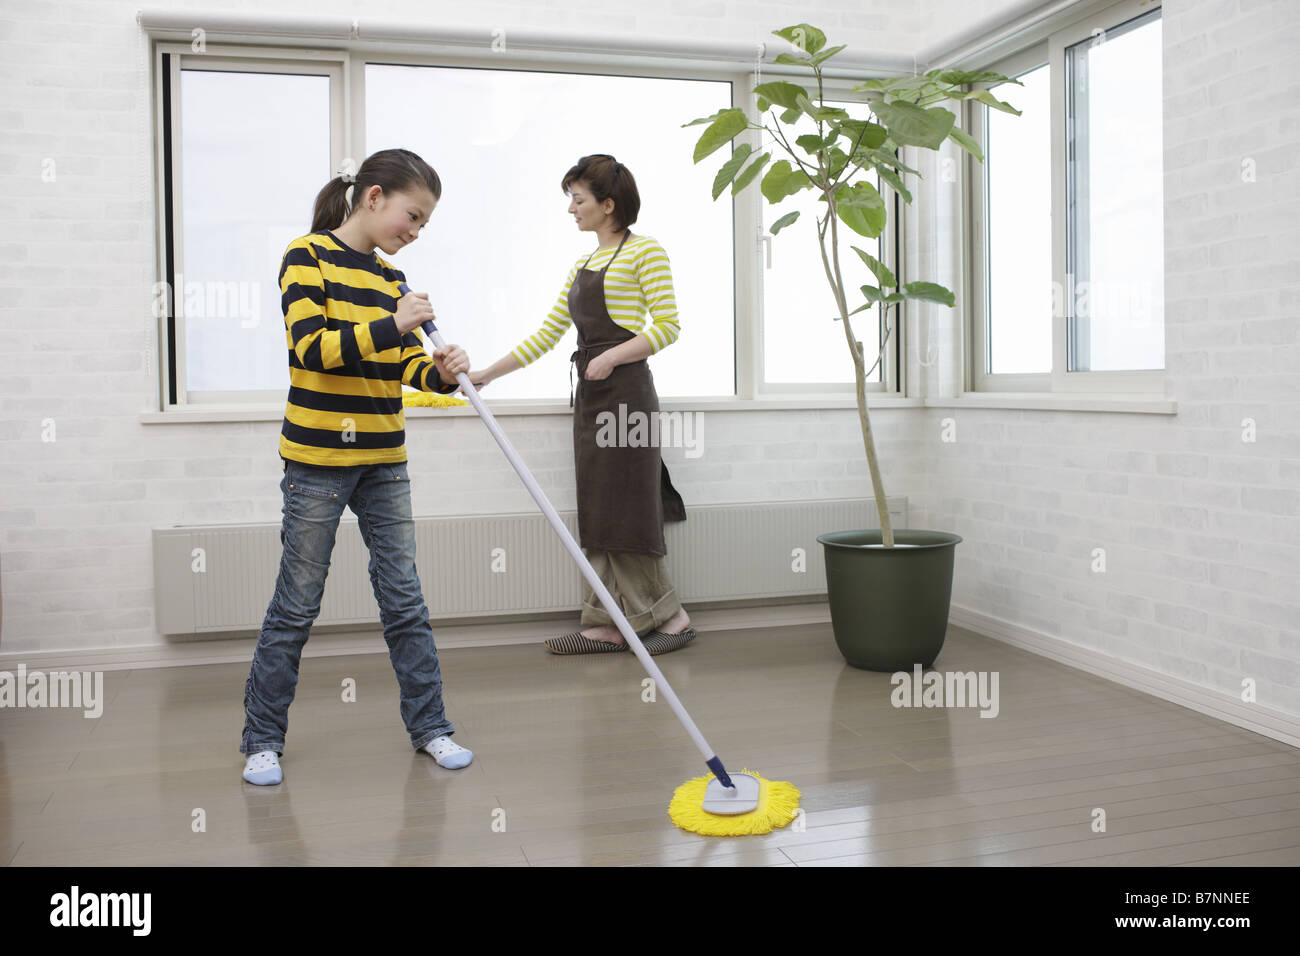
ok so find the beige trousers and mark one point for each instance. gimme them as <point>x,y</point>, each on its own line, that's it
<point>638,582</point>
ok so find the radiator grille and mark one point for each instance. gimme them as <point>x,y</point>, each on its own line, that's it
<point>210,579</point>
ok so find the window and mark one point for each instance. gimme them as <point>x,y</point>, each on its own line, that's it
<point>803,340</point>
<point>496,251</point>
<point>1115,248</point>
<point>247,136</point>
<point>1018,160</point>
<point>1067,214</point>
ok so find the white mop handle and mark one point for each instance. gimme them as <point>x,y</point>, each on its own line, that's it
<point>584,565</point>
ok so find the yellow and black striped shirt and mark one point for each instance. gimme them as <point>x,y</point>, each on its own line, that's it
<point>347,361</point>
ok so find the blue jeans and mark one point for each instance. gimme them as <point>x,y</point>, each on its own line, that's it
<point>314,498</point>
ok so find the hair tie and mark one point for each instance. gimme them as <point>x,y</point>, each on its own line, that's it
<point>347,195</point>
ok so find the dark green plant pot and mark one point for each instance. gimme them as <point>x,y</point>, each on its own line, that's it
<point>889,606</point>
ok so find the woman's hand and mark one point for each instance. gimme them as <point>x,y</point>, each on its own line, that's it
<point>449,361</point>
<point>502,366</point>
<point>600,367</point>
<point>413,310</point>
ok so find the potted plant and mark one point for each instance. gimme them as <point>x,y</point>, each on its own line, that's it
<point>889,590</point>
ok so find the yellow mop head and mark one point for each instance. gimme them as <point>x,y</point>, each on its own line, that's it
<point>430,400</point>
<point>777,803</point>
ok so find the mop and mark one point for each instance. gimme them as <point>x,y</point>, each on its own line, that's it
<point>715,804</point>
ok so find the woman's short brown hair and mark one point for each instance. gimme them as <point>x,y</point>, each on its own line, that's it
<point>607,178</point>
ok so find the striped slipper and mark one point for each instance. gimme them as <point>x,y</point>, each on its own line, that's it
<point>657,642</point>
<point>575,643</point>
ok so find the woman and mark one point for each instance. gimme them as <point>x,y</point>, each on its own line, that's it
<point>621,300</point>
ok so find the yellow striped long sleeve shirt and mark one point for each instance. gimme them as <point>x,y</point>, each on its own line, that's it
<point>639,283</point>
<point>347,361</point>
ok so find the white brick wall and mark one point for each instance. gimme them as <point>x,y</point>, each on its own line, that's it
<point>1201,530</point>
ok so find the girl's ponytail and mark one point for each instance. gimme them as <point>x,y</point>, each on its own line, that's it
<point>392,170</point>
<point>331,205</point>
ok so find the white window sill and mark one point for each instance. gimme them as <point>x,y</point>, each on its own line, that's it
<point>1039,401</point>
<point>199,413</point>
<point>1147,404</point>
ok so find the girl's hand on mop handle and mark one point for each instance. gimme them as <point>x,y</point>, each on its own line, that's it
<point>450,362</point>
<point>413,310</point>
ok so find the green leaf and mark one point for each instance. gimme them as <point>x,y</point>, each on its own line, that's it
<point>803,37</point>
<point>988,99</point>
<point>884,156</point>
<point>859,195</point>
<point>811,143</point>
<point>782,180</point>
<point>962,77</point>
<point>930,292</point>
<point>791,115</point>
<point>891,298</point>
<point>895,180</point>
<point>784,221</point>
<point>728,123</point>
<point>794,59</point>
<point>963,139</point>
<point>704,119</point>
<point>878,268</point>
<point>782,93</point>
<point>872,293</point>
<point>873,134</point>
<point>937,97</point>
<point>913,126</point>
<point>861,209</point>
<point>729,169</point>
<point>774,181</point>
<point>829,113</point>
<point>826,54</point>
<point>745,178</point>
<point>764,104</point>
<point>905,85</point>
<point>837,160</point>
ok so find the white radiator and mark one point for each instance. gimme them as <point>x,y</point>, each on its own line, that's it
<point>210,579</point>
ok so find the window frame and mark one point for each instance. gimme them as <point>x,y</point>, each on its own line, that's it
<point>892,381</point>
<point>1050,51</point>
<point>169,59</point>
<point>346,67</point>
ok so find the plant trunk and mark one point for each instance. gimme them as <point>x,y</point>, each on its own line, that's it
<point>859,373</point>
<point>869,442</point>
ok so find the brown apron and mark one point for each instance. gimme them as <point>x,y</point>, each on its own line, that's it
<point>624,493</point>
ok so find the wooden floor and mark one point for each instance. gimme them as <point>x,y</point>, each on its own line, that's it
<point>573,768</point>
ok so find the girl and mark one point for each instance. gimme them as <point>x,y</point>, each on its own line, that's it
<point>624,494</point>
<point>351,348</point>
